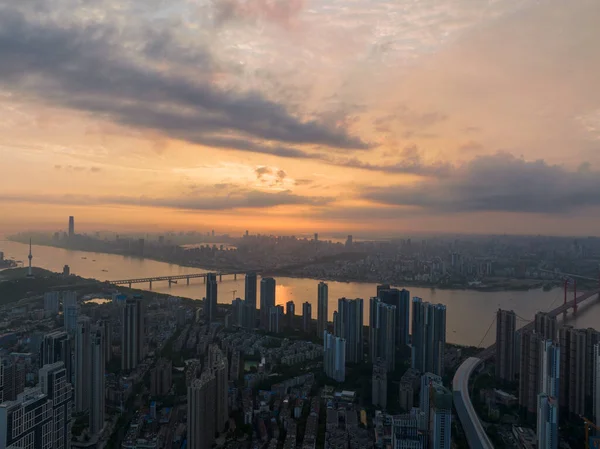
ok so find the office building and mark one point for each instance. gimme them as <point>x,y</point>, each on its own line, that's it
<point>210,301</point>
<point>506,328</point>
<point>161,378</point>
<point>56,347</point>
<point>201,417</point>
<point>250,297</point>
<point>39,417</point>
<point>82,364</point>
<point>51,302</point>
<point>70,311</point>
<point>219,368</point>
<point>306,317</point>
<point>334,356</point>
<point>547,422</point>
<point>545,325</point>
<point>275,317</point>
<point>322,308</point>
<point>382,330</point>
<point>12,378</point>
<point>96,385</point>
<point>290,312</point>
<point>429,336</point>
<point>348,324</point>
<point>133,333</point>
<point>440,417</point>
<point>401,300</point>
<point>267,300</point>
<point>71,226</point>
<point>238,310</point>
<point>379,384</point>
<point>530,370</point>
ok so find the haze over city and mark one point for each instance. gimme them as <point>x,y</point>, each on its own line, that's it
<point>301,116</point>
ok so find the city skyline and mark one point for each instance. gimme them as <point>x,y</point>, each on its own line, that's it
<point>431,117</point>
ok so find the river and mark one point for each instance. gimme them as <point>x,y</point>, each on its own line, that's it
<point>469,313</point>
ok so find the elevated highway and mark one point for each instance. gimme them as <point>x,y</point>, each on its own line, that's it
<point>471,424</point>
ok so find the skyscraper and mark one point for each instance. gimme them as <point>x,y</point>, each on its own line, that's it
<point>275,316</point>
<point>133,334</point>
<point>267,300</point>
<point>441,417</point>
<point>506,322</point>
<point>545,325</point>
<point>401,300</point>
<point>334,356</point>
<point>71,226</point>
<point>429,336</point>
<point>250,297</point>
<point>201,419</point>
<point>306,316</point>
<point>210,302</point>
<point>96,390</point>
<point>54,383</point>
<point>107,335</point>
<point>290,311</point>
<point>322,308</point>
<point>547,422</point>
<point>596,385</point>
<point>592,338</point>
<point>51,302</point>
<point>577,371</point>
<point>379,384</point>
<point>83,364</point>
<point>218,367</point>
<point>70,311</point>
<point>530,371</point>
<point>550,369</point>
<point>382,329</point>
<point>56,347</point>
<point>348,324</point>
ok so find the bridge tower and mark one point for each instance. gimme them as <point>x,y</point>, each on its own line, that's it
<point>568,281</point>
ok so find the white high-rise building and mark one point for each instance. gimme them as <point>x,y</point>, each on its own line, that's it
<point>596,385</point>
<point>440,417</point>
<point>51,302</point>
<point>70,311</point>
<point>550,368</point>
<point>334,356</point>
<point>427,381</point>
<point>547,422</point>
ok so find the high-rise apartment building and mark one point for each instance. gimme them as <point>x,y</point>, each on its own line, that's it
<point>348,324</point>
<point>219,368</point>
<point>107,334</point>
<point>70,311</point>
<point>290,312</point>
<point>322,308</point>
<point>250,290</point>
<point>210,301</point>
<point>530,370</point>
<point>96,385</point>
<point>573,355</point>
<point>427,381</point>
<point>379,384</point>
<point>306,317</point>
<point>401,300</point>
<point>440,417</point>
<point>267,300</point>
<point>506,322</point>
<point>545,325</point>
<point>133,335</point>
<point>201,419</point>
<point>39,417</point>
<point>550,369</point>
<point>592,338</point>
<point>382,330</point>
<point>56,347</point>
<point>407,432</point>
<point>12,378</point>
<point>547,422</point>
<point>429,336</point>
<point>161,378</point>
<point>52,302</point>
<point>82,364</point>
<point>596,385</point>
<point>334,356</point>
<point>275,317</point>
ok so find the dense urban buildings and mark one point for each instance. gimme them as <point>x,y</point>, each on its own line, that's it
<point>429,336</point>
<point>348,324</point>
<point>506,322</point>
<point>322,308</point>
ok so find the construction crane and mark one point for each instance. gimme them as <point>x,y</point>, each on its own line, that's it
<point>589,424</point>
<point>233,292</point>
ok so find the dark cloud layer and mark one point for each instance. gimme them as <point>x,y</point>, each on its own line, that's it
<point>500,182</point>
<point>219,201</point>
<point>85,67</point>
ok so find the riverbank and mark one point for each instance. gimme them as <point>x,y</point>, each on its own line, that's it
<point>499,285</point>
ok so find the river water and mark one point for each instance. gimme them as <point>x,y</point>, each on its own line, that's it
<point>469,313</point>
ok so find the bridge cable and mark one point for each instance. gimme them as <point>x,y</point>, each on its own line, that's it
<point>487,332</point>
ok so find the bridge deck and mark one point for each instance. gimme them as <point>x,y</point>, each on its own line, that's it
<point>168,278</point>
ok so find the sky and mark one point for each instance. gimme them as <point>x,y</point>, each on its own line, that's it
<point>379,117</point>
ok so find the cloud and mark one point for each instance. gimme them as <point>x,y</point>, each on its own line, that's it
<point>261,171</point>
<point>280,12</point>
<point>87,66</point>
<point>78,168</point>
<point>215,201</point>
<point>502,183</point>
